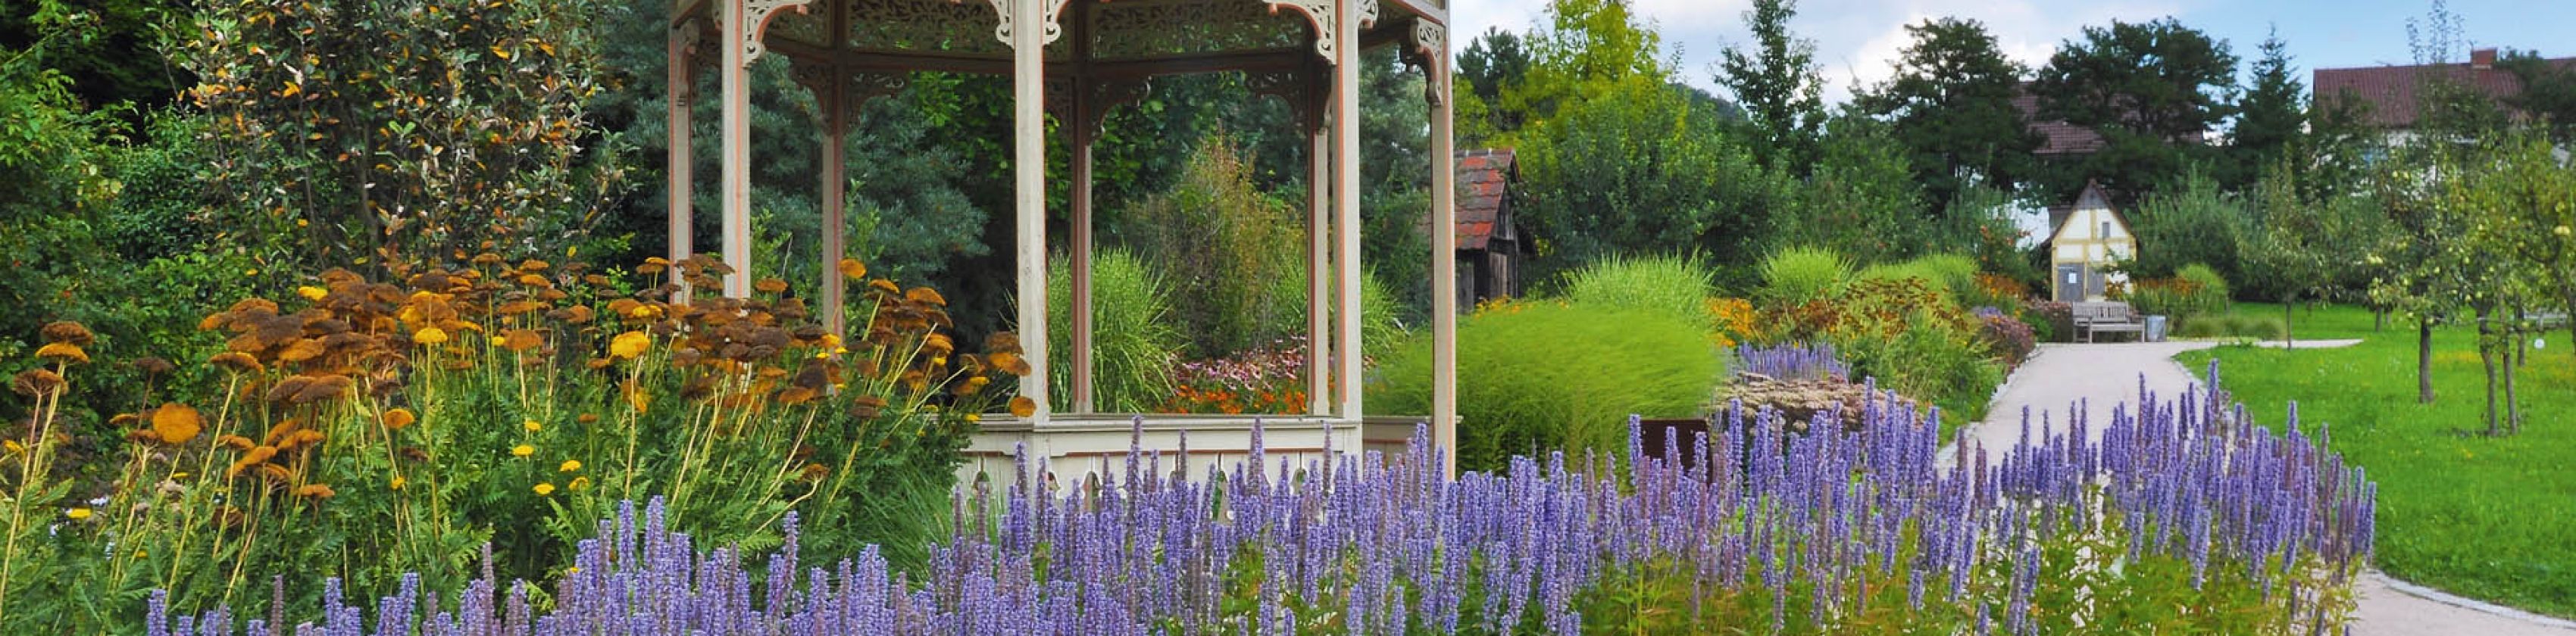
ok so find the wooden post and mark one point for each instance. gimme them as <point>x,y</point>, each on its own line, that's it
<point>680,92</point>
<point>1079,132</point>
<point>1028,167</point>
<point>1320,304</point>
<point>1346,199</point>
<point>830,97</point>
<point>736,133</point>
<point>1444,262</point>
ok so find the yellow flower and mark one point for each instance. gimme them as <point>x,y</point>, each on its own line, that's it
<point>579,483</point>
<point>532,426</point>
<point>971,417</point>
<point>523,450</point>
<point>569,465</point>
<point>498,341</point>
<point>545,489</point>
<point>310,292</point>
<point>399,482</point>
<point>630,344</point>
<point>569,251</point>
<point>429,336</point>
<point>14,447</point>
<point>831,341</point>
<point>77,513</point>
<point>249,273</point>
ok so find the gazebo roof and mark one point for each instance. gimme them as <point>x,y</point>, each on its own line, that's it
<point>1109,39</point>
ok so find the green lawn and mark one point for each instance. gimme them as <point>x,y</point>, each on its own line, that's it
<point>2489,518</point>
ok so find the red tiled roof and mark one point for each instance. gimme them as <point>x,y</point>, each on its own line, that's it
<point>2390,90</point>
<point>2057,136</point>
<point>1484,181</point>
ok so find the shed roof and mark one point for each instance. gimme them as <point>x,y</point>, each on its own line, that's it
<point>1484,184</point>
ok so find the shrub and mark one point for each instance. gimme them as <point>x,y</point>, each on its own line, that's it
<point>2212,288</point>
<point>2054,321</point>
<point>1908,336</point>
<point>1133,342</point>
<point>2007,336</point>
<point>1231,251</point>
<point>1845,532</point>
<point>1550,376</point>
<point>1670,285</point>
<point>1798,275</point>
<point>367,428</point>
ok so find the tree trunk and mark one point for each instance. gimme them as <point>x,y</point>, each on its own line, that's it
<point>2487,359</point>
<point>2424,359</point>
<point>2512,404</point>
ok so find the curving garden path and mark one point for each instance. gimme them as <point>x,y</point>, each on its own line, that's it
<point>2100,375</point>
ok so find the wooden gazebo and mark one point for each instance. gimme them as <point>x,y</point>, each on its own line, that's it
<point>1083,58</point>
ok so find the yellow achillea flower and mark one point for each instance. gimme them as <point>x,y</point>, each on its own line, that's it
<point>429,336</point>
<point>630,344</point>
<point>77,513</point>
<point>523,450</point>
<point>532,426</point>
<point>569,465</point>
<point>545,489</point>
<point>498,341</point>
<point>399,482</point>
<point>579,483</point>
<point>310,292</point>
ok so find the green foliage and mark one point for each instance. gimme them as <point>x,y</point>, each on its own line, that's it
<point>406,132</point>
<point>2143,87</point>
<point>2479,516</point>
<point>1580,47</point>
<point>2212,285</point>
<point>1950,104</point>
<point>1675,286</point>
<point>2195,222</point>
<point>1952,275</point>
<point>1777,83</point>
<point>2548,92</point>
<point>1911,337</point>
<point>1859,198</point>
<point>1133,338</point>
<point>2274,118</point>
<point>1798,275</point>
<point>1632,169</point>
<point>1228,249</point>
<point>1555,376</point>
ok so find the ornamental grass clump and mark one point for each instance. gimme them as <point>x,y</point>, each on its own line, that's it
<point>2176,521</point>
<point>487,412</point>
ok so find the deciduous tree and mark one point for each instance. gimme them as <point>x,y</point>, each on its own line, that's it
<point>1950,104</point>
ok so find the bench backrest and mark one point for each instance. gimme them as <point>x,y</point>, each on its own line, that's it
<point>2102,312</point>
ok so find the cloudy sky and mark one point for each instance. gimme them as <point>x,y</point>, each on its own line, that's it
<point>1856,40</point>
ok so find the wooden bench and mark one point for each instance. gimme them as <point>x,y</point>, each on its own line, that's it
<point>2096,318</point>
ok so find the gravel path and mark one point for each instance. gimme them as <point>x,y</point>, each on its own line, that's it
<point>2100,375</point>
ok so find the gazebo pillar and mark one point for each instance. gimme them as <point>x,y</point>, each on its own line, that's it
<point>1321,306</point>
<point>830,97</point>
<point>1444,246</point>
<point>736,132</point>
<point>1079,267</point>
<point>1028,169</point>
<point>684,38</point>
<point>1346,200</point>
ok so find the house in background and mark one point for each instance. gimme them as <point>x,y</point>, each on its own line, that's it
<point>2387,93</point>
<point>2089,241</point>
<point>1490,249</point>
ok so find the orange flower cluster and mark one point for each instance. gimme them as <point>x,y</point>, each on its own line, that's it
<point>1189,399</point>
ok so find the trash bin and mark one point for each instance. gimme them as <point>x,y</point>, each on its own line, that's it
<point>2155,329</point>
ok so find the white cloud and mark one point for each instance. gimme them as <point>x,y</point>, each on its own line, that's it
<point>1855,39</point>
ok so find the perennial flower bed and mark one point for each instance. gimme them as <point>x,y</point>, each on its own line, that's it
<point>2174,521</point>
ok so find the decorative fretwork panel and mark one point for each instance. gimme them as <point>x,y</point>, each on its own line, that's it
<point>1152,28</point>
<point>970,28</point>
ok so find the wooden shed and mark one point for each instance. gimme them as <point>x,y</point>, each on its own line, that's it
<point>2090,240</point>
<point>1490,249</point>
